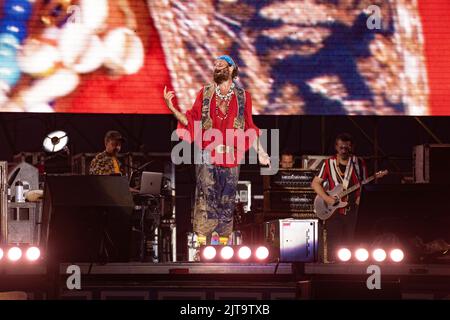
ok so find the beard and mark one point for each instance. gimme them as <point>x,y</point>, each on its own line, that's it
<point>221,75</point>
<point>345,155</point>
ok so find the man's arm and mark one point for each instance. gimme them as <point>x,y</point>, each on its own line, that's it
<point>263,157</point>
<point>316,184</point>
<point>168,96</point>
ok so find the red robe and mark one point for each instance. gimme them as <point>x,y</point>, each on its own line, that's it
<point>195,114</point>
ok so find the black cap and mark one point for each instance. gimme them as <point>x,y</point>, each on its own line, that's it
<point>114,135</point>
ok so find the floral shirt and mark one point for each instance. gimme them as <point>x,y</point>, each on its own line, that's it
<point>103,165</point>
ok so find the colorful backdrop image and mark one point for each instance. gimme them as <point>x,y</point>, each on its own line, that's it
<point>295,57</point>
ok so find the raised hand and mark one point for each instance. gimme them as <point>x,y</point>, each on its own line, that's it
<point>168,96</point>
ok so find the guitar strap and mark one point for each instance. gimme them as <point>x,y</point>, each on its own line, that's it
<point>347,174</point>
<point>357,168</point>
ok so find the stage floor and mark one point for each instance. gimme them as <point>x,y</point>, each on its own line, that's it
<point>188,268</point>
<point>187,280</point>
<point>388,269</point>
<point>396,281</point>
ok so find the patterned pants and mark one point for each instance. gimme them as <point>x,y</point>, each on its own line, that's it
<point>215,197</point>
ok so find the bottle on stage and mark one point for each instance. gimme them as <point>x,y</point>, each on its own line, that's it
<point>19,191</point>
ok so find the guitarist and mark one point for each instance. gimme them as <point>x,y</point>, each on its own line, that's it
<point>346,169</point>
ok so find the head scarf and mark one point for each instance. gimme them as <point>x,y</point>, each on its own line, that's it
<point>227,59</point>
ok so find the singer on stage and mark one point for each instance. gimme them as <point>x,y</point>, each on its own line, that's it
<point>221,106</point>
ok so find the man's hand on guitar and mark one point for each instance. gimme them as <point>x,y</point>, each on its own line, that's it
<point>325,204</point>
<point>331,200</point>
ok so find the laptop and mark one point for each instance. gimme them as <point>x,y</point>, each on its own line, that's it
<point>151,183</point>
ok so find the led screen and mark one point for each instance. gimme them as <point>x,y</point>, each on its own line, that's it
<point>318,57</point>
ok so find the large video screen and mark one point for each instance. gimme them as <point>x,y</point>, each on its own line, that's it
<point>298,57</point>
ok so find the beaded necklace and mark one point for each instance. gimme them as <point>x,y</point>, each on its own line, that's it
<point>221,97</point>
<point>226,110</point>
<point>226,96</point>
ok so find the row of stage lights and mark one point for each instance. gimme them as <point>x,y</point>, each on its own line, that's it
<point>261,254</point>
<point>234,253</point>
<point>15,254</point>
<point>362,255</point>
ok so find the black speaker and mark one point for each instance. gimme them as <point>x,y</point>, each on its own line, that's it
<point>431,163</point>
<point>87,219</point>
<point>404,214</point>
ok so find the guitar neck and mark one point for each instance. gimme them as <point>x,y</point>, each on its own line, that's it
<point>356,186</point>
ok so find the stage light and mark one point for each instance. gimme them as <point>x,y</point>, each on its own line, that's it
<point>262,253</point>
<point>14,253</point>
<point>397,255</point>
<point>234,253</point>
<point>379,255</point>
<point>1,253</point>
<point>33,253</point>
<point>209,253</point>
<point>361,254</point>
<point>244,253</point>
<point>344,254</point>
<point>55,141</point>
<point>227,253</point>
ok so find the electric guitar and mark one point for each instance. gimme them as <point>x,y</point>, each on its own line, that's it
<point>324,210</point>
